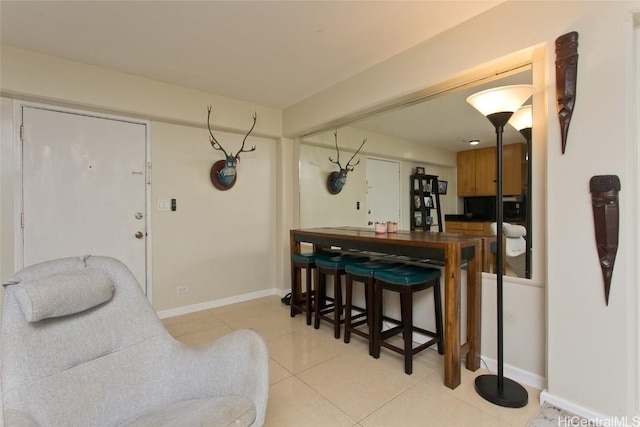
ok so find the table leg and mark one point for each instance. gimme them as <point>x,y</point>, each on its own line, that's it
<point>452,273</point>
<point>474,306</point>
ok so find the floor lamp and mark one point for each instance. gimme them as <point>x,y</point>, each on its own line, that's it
<point>498,105</point>
<point>522,120</point>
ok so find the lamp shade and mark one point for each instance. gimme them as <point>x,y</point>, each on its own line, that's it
<point>503,99</point>
<point>522,119</point>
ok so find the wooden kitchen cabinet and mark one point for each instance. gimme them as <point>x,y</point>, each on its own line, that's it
<point>477,171</point>
<point>466,173</point>
<point>514,169</point>
<point>472,228</point>
<point>486,172</point>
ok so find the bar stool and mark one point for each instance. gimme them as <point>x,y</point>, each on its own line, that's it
<point>331,267</point>
<point>302,302</point>
<point>363,273</point>
<point>406,280</point>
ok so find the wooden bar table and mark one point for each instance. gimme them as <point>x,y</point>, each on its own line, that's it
<point>447,247</point>
<point>489,248</point>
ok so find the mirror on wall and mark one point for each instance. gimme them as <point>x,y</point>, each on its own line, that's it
<point>433,133</point>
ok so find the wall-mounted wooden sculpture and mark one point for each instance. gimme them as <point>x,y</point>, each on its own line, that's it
<point>604,200</point>
<point>223,172</point>
<point>566,79</point>
<point>337,179</point>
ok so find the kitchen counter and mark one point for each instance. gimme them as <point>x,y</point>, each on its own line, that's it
<point>464,218</point>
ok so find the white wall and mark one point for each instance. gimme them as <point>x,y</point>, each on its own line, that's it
<point>592,352</point>
<point>318,208</point>
<point>221,244</point>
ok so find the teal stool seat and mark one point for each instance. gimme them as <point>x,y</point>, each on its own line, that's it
<point>406,280</point>
<point>302,301</point>
<point>367,268</point>
<point>312,257</point>
<point>303,258</point>
<point>408,275</point>
<point>340,262</point>
<point>362,272</point>
<point>332,266</point>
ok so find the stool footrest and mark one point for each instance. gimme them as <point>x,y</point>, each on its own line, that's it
<point>414,351</point>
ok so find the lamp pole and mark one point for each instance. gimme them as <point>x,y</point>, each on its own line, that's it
<point>522,120</point>
<point>498,105</point>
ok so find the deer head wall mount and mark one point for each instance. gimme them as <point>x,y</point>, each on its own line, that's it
<point>223,172</point>
<point>337,179</point>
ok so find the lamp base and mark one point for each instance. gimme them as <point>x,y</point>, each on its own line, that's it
<point>512,394</point>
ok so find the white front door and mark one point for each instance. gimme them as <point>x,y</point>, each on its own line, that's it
<point>84,181</point>
<point>383,191</point>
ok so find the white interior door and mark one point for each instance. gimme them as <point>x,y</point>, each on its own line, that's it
<point>383,191</point>
<point>84,188</point>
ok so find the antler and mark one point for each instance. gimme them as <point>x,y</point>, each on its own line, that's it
<point>349,166</point>
<point>337,161</point>
<point>213,139</point>
<point>354,154</point>
<point>216,145</point>
<point>255,116</point>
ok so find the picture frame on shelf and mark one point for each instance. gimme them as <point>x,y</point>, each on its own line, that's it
<point>442,187</point>
<point>418,219</point>
<point>428,202</point>
<point>428,220</point>
<point>416,201</point>
<point>419,170</point>
<point>427,187</point>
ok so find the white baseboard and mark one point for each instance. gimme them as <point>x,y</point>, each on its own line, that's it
<point>512,372</point>
<point>574,408</point>
<point>516,374</point>
<point>219,302</point>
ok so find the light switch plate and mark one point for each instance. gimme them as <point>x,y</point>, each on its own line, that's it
<point>164,204</point>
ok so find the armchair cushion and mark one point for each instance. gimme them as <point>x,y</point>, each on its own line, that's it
<point>513,230</point>
<point>63,294</point>
<point>219,411</point>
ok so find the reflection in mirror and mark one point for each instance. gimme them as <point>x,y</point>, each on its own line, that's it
<point>433,134</point>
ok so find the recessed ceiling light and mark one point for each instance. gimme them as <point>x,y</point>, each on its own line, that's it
<point>474,142</point>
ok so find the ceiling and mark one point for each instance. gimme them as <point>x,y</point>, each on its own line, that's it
<point>447,122</point>
<point>272,53</point>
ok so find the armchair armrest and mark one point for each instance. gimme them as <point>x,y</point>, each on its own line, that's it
<point>236,364</point>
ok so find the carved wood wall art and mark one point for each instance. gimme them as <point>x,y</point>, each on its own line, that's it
<point>223,172</point>
<point>566,80</point>
<point>337,179</point>
<point>604,200</point>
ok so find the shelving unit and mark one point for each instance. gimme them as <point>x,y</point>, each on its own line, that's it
<point>425,200</point>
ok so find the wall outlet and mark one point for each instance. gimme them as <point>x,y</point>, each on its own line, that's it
<point>182,289</point>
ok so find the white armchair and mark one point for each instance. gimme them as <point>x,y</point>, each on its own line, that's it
<point>82,346</point>
<point>515,246</point>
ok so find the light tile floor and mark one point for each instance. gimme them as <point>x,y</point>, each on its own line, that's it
<point>317,380</point>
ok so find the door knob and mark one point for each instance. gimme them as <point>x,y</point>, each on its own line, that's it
<point>139,235</point>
